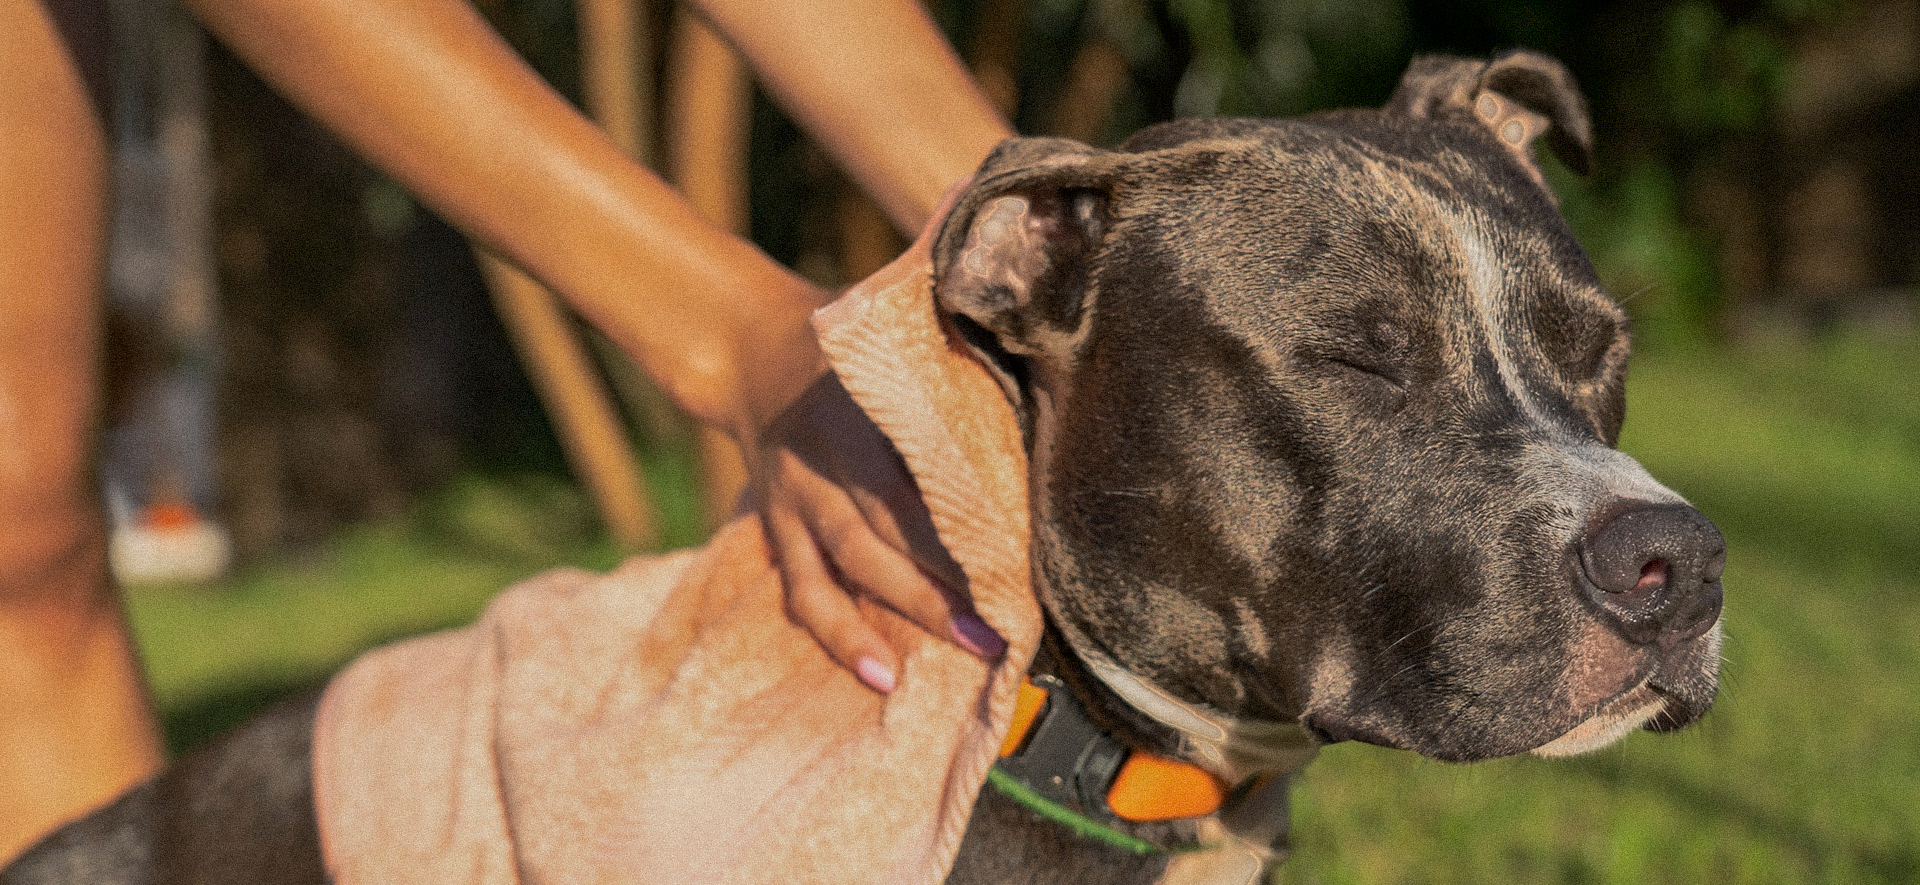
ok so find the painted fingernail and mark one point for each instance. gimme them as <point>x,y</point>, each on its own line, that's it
<point>975,636</point>
<point>876,675</point>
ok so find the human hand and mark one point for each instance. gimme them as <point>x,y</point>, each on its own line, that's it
<point>843,517</point>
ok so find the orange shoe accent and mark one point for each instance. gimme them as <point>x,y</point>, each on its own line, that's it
<point>170,515</point>
<point>1152,788</point>
<point>1025,709</point>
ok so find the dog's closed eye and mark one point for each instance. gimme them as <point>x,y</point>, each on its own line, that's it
<point>1370,372</point>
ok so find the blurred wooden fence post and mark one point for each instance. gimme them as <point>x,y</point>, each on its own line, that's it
<point>583,414</point>
<point>616,71</point>
<point>590,429</point>
<point>709,102</point>
<point>995,53</point>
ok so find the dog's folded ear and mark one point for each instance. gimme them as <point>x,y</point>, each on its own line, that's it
<point>1519,96</point>
<point>1010,265</point>
<point>1013,254</point>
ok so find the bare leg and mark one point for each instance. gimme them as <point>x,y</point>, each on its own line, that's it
<point>76,725</point>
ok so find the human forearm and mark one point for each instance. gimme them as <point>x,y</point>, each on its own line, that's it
<point>426,90</point>
<point>876,83</point>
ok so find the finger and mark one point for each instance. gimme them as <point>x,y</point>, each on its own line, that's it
<point>870,564</point>
<point>866,559</point>
<point>889,535</point>
<point>822,606</point>
<point>886,494</point>
<point>901,521</point>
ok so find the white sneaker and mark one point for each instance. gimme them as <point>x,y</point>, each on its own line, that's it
<point>169,544</point>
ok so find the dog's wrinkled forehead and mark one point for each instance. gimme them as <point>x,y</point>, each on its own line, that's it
<point>1423,233</point>
<point>1423,237</point>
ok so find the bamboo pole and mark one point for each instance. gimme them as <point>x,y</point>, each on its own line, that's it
<point>709,101</point>
<point>995,53</point>
<point>590,429</point>
<point>615,74</point>
<point>1097,78</point>
<point>570,387</point>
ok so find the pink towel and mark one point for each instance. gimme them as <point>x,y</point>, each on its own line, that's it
<point>667,723</point>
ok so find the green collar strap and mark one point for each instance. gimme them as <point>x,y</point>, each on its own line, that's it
<point>1080,824</point>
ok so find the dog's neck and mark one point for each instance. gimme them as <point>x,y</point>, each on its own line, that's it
<point>1145,716</point>
<point>1111,712</point>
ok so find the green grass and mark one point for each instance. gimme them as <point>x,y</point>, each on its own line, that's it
<point>1808,457</point>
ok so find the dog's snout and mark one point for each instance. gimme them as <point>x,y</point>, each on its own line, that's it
<point>1655,570</point>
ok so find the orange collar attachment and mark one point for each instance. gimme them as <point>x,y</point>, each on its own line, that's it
<point>1144,788</point>
<point>1150,788</point>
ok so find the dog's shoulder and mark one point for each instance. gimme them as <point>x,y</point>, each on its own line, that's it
<point>1007,844</point>
<point>237,810</point>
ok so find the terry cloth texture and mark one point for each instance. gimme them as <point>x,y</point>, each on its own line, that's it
<point>666,722</point>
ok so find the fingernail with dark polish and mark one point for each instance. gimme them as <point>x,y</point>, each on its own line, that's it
<point>975,636</point>
<point>876,675</point>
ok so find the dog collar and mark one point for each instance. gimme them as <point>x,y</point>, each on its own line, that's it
<point>1060,765</point>
<point>1234,750</point>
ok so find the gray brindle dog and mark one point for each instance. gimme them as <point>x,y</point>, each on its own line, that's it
<point>1321,415</point>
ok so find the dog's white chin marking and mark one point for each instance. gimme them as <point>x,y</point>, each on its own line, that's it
<point>1613,722</point>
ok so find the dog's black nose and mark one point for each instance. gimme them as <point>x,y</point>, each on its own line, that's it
<point>1655,569</point>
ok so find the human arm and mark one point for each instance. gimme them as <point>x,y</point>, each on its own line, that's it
<point>428,92</point>
<point>876,83</point>
<point>878,86</point>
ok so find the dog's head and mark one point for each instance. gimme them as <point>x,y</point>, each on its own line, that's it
<point>1322,416</point>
